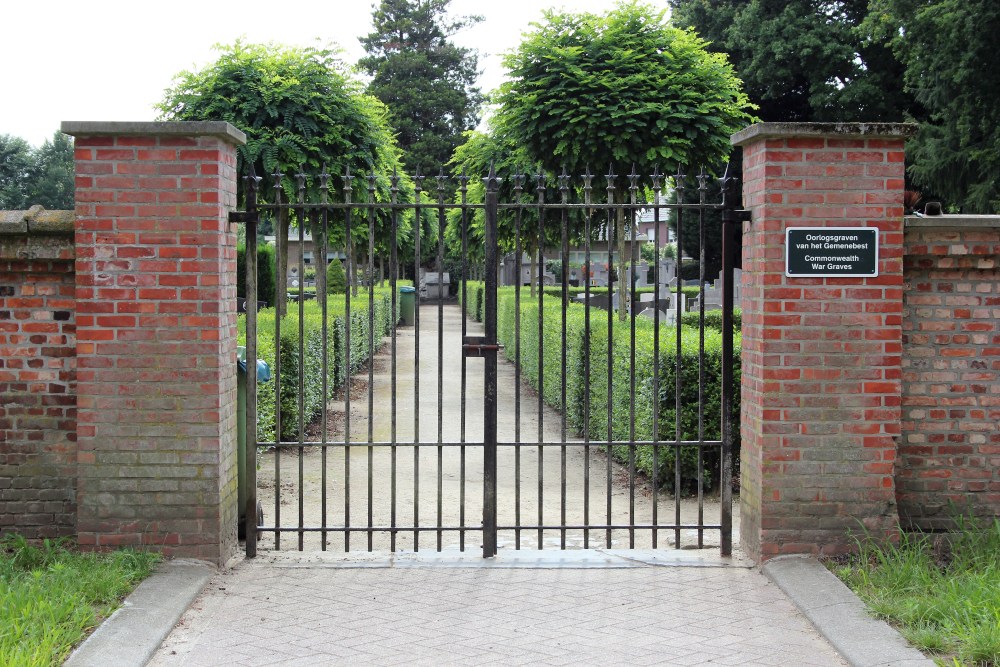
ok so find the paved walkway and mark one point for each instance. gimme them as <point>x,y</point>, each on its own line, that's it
<point>532,608</point>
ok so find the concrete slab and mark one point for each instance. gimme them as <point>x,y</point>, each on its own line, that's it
<point>133,633</point>
<point>840,616</point>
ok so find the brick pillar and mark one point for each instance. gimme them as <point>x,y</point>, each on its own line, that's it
<point>821,357</point>
<point>156,336</point>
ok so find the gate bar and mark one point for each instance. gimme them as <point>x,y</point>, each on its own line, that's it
<point>490,381</point>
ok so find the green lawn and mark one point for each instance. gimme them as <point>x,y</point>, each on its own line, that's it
<point>51,597</point>
<point>945,601</point>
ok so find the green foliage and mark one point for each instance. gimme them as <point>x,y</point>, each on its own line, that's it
<point>576,353</point>
<point>265,272</point>
<point>944,600</point>
<point>336,279</point>
<point>950,59</point>
<point>43,176</point>
<point>619,89</point>
<point>473,305</point>
<point>52,597</point>
<point>802,60</point>
<point>425,80</point>
<point>312,370</point>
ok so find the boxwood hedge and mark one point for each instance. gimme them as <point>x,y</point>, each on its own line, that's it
<point>577,354</point>
<point>312,369</point>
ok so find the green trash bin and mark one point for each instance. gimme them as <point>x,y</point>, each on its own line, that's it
<point>407,305</point>
<point>263,375</point>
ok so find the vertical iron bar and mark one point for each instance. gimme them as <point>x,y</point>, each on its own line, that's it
<point>633,194</point>
<point>418,219</point>
<point>371,362</point>
<point>250,463</point>
<point>656,353</point>
<point>440,404</point>
<point>324,188</point>
<point>564,279</point>
<point>587,193</point>
<point>282,213</point>
<point>348,324</point>
<point>678,332</point>
<point>393,276</point>
<point>490,376</point>
<point>729,249</point>
<point>518,268</point>
<point>463,188</point>
<point>611,229</point>
<point>540,191</point>
<point>301,215</point>
<point>702,178</point>
<point>417,222</point>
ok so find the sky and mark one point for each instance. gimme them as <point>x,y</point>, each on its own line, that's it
<point>111,60</point>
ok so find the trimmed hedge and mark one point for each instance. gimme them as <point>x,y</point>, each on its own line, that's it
<point>475,291</point>
<point>576,355</point>
<point>312,370</point>
<point>265,272</point>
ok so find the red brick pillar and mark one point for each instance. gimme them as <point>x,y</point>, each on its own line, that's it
<point>156,336</point>
<point>821,356</point>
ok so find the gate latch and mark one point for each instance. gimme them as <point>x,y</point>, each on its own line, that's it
<point>476,346</point>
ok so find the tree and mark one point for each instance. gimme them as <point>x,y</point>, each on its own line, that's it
<point>42,176</point>
<point>802,60</point>
<point>336,282</point>
<point>616,90</point>
<point>424,79</point>
<point>950,59</point>
<point>300,111</point>
<point>16,166</point>
<point>54,185</point>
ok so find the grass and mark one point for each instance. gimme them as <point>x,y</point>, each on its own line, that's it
<point>51,597</point>
<point>945,601</point>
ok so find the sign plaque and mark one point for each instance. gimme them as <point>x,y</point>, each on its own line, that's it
<point>831,252</point>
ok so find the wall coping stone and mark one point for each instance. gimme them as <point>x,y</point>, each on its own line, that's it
<point>37,220</point>
<point>960,221</point>
<point>200,128</point>
<point>827,130</point>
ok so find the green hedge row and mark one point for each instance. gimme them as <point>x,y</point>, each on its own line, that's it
<point>576,390</point>
<point>312,342</point>
<point>475,291</point>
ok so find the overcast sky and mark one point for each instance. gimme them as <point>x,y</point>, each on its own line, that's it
<point>112,59</point>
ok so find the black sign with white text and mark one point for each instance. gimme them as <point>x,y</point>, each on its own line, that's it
<point>832,252</point>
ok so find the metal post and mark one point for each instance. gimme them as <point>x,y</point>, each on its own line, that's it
<point>490,388</point>
<point>729,247</point>
<point>250,516</point>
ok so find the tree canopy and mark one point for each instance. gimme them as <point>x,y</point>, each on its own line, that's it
<point>425,80</point>
<point>950,58</point>
<point>30,176</point>
<point>802,60</point>
<point>300,111</point>
<point>623,88</point>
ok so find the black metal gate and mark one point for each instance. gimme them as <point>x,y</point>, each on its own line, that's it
<point>634,393</point>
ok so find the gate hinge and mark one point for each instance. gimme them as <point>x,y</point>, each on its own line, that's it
<point>476,346</point>
<point>737,215</point>
<point>242,216</point>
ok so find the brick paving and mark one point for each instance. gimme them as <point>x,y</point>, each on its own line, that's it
<point>303,610</point>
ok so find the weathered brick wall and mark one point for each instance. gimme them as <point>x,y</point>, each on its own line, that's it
<point>949,452</point>
<point>156,336</point>
<point>821,356</point>
<point>37,374</point>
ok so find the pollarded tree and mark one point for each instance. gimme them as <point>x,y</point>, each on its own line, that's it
<point>617,90</point>
<point>300,111</point>
<point>425,80</point>
<point>950,57</point>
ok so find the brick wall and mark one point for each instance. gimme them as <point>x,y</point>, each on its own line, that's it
<point>156,336</point>
<point>821,356</point>
<point>37,374</point>
<point>949,453</point>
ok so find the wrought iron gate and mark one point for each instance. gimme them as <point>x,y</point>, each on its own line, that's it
<point>614,418</point>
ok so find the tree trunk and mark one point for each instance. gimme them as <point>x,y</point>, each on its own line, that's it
<point>623,286</point>
<point>281,264</point>
<point>531,274</point>
<point>319,245</point>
